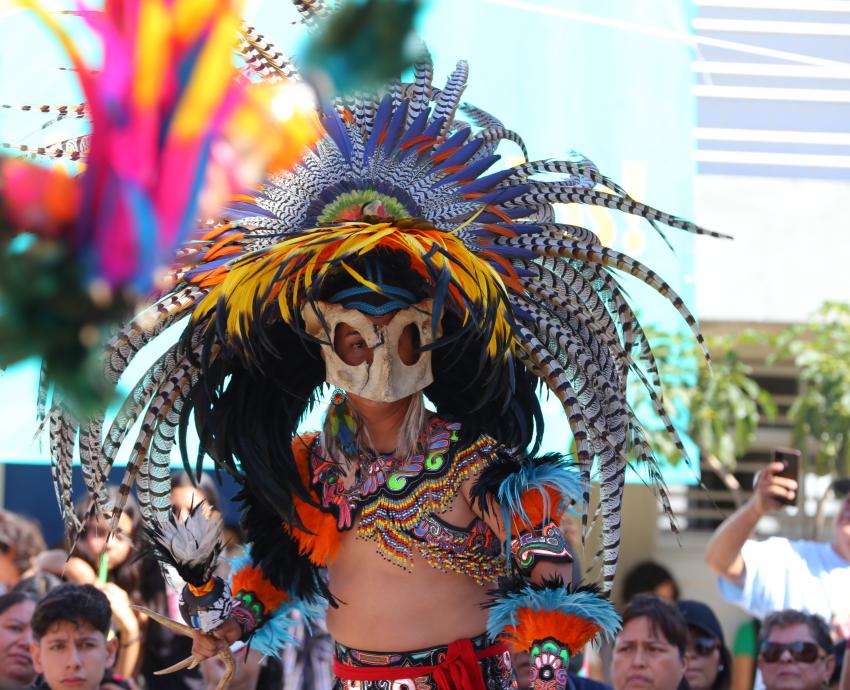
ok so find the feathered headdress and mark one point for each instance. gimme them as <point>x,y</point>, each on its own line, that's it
<point>397,174</point>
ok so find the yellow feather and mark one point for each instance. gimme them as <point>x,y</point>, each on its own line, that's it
<point>211,76</point>
<point>152,52</point>
<point>251,276</point>
<point>360,279</point>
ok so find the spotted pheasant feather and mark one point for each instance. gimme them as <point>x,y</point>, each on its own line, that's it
<point>410,151</point>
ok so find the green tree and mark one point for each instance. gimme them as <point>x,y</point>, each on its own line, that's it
<point>722,403</point>
<point>820,415</point>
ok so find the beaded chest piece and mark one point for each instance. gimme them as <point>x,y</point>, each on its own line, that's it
<point>396,502</point>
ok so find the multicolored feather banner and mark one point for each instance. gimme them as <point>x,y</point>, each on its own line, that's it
<point>175,130</point>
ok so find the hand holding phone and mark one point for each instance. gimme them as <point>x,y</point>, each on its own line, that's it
<point>777,484</point>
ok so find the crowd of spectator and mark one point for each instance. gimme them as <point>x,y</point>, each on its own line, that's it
<point>67,620</point>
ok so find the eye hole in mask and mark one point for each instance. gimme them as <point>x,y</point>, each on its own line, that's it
<point>350,345</point>
<point>408,345</point>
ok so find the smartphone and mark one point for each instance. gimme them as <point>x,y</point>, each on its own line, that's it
<point>790,460</point>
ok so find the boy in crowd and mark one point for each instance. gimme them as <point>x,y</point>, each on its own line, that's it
<point>70,647</point>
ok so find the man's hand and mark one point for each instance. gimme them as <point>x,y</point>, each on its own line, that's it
<point>206,645</point>
<point>723,551</point>
<point>769,487</point>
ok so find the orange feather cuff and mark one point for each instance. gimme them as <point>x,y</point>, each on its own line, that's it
<point>537,510</point>
<point>571,630</point>
<point>249,578</point>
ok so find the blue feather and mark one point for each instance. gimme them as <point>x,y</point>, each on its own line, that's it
<point>471,171</point>
<point>500,196</point>
<point>585,604</point>
<point>434,129</point>
<point>455,139</point>
<point>382,117</point>
<point>395,127</point>
<point>273,635</point>
<point>513,252</point>
<point>550,471</point>
<point>513,212</point>
<point>244,209</point>
<point>463,154</point>
<point>415,128</point>
<point>336,130</point>
<point>487,182</point>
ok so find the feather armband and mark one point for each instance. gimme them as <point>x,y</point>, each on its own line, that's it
<point>539,490</point>
<point>545,544</point>
<point>526,615</point>
<point>265,612</point>
<point>532,495</point>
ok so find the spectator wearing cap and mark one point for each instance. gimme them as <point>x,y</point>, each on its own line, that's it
<point>709,661</point>
<point>779,573</point>
<point>649,652</point>
<point>795,651</point>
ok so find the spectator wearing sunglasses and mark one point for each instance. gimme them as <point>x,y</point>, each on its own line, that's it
<point>709,661</point>
<point>649,652</point>
<point>795,651</point>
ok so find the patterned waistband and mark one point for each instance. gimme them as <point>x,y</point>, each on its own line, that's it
<point>431,656</point>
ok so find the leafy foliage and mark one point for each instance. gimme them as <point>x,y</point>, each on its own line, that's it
<point>364,43</point>
<point>821,411</point>
<point>45,311</point>
<point>724,402</point>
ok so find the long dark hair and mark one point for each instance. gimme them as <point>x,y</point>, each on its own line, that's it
<point>127,575</point>
<point>249,400</point>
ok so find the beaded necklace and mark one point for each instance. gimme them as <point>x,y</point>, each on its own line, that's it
<point>392,495</point>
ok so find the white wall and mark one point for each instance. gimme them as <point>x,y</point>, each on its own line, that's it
<point>791,250</point>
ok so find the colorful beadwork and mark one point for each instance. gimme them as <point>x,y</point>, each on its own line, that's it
<point>545,544</point>
<point>497,670</point>
<point>392,496</point>
<point>474,551</point>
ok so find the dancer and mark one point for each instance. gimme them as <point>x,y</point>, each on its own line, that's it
<point>393,266</point>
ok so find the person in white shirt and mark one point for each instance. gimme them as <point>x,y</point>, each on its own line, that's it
<point>778,573</point>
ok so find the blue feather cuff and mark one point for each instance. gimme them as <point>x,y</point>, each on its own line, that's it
<point>275,630</point>
<point>551,472</point>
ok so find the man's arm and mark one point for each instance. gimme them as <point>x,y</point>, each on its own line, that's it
<point>537,609</point>
<point>723,553</point>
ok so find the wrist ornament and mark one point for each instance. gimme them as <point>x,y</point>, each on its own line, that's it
<point>208,606</point>
<point>535,545</point>
<point>526,615</point>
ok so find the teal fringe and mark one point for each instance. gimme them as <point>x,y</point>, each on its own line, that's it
<point>276,633</point>
<point>586,603</point>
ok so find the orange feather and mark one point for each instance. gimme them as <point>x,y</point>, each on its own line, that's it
<point>249,578</point>
<point>319,541</point>
<point>533,504</point>
<point>214,250</point>
<point>569,629</point>
<point>216,231</point>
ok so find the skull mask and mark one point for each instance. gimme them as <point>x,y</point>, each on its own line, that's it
<point>387,378</point>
